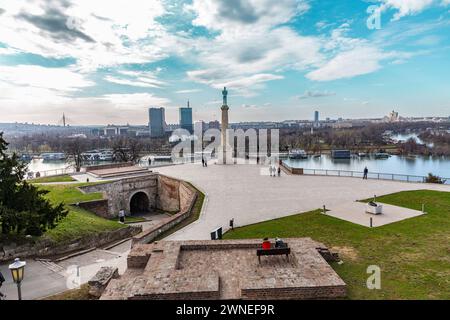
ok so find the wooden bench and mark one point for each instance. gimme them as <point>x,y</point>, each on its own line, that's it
<point>273,252</point>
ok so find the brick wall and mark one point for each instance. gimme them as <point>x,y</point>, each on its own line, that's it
<point>168,194</point>
<point>326,292</point>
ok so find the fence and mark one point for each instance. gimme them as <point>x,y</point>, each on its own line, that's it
<point>49,173</point>
<point>370,175</point>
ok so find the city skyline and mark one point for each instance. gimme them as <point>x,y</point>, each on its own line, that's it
<point>101,63</point>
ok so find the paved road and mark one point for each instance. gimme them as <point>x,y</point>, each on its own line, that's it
<point>249,195</point>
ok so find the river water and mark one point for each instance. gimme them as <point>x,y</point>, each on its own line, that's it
<point>418,166</point>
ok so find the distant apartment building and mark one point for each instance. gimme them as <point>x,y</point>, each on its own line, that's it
<point>117,130</point>
<point>172,127</point>
<point>112,130</point>
<point>186,118</point>
<point>157,122</point>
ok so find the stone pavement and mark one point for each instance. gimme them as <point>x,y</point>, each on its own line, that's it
<point>355,212</point>
<point>245,193</point>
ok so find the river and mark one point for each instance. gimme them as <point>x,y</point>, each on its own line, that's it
<point>418,166</point>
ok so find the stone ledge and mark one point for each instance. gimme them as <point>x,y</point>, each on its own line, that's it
<point>100,281</point>
<point>47,248</point>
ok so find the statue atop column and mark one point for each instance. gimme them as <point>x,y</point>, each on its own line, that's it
<point>224,94</point>
<point>225,150</point>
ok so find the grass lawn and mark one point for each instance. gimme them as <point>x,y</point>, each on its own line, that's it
<point>414,254</point>
<point>78,222</point>
<point>62,178</point>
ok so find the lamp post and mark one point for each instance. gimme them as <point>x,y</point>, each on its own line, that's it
<point>17,272</point>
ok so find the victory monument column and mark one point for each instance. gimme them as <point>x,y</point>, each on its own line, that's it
<point>224,126</point>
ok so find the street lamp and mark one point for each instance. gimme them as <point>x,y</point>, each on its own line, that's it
<point>17,272</point>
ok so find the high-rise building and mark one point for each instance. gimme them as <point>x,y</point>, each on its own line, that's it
<point>316,117</point>
<point>186,118</point>
<point>157,122</point>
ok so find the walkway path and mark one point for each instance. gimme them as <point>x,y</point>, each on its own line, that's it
<point>43,279</point>
<point>247,194</point>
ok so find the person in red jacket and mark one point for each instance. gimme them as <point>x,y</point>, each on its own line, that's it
<point>266,244</point>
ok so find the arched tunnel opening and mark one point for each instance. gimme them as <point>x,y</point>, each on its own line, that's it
<point>139,204</point>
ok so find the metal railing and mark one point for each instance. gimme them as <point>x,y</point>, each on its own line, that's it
<point>370,175</point>
<point>50,173</point>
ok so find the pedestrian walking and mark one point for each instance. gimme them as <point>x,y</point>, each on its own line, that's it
<point>203,162</point>
<point>366,171</point>
<point>279,171</point>
<point>270,170</point>
<point>274,171</point>
<point>122,216</point>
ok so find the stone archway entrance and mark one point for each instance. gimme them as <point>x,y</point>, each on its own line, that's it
<point>139,203</point>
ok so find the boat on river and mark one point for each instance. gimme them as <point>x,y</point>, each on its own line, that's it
<point>53,156</point>
<point>382,155</point>
<point>297,154</point>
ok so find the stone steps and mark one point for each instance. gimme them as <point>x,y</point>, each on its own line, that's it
<point>52,266</point>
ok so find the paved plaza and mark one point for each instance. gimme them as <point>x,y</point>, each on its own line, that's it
<point>355,212</point>
<point>247,194</point>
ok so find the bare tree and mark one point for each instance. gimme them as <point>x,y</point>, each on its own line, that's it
<point>74,149</point>
<point>126,149</point>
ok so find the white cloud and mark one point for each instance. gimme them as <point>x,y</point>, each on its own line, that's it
<point>43,94</point>
<point>44,106</point>
<point>251,47</point>
<point>96,33</point>
<point>348,64</point>
<point>135,101</point>
<point>350,57</point>
<point>242,59</point>
<point>137,79</point>
<point>131,83</point>
<point>406,7</point>
<point>188,91</point>
<point>59,79</point>
<point>233,15</point>
<point>316,94</point>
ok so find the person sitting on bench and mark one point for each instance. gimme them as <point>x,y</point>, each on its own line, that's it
<point>266,245</point>
<point>280,243</point>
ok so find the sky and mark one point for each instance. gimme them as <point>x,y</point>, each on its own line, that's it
<point>107,62</point>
